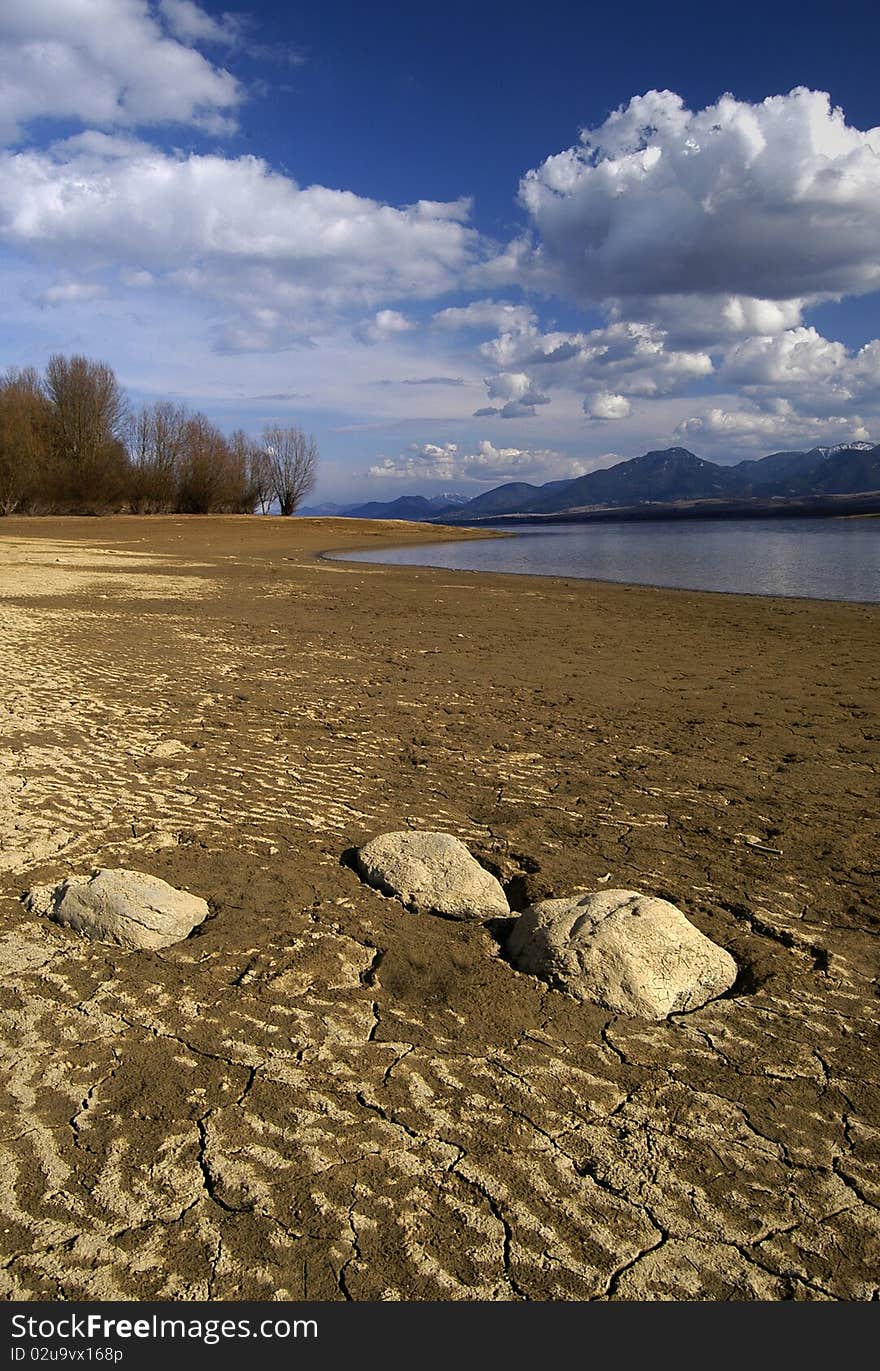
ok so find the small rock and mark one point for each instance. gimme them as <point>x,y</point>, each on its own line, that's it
<point>125,907</point>
<point>432,872</point>
<point>631,953</point>
<point>169,747</point>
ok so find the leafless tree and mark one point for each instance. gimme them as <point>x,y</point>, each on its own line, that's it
<point>69,444</point>
<point>156,443</point>
<point>23,435</point>
<point>204,481</point>
<point>252,472</point>
<point>88,417</point>
<point>261,478</point>
<point>293,463</point>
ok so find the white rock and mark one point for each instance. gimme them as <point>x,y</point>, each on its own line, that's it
<point>432,872</point>
<point>125,907</point>
<point>631,953</point>
<point>169,747</point>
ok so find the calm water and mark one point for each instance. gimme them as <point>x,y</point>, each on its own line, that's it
<point>821,559</point>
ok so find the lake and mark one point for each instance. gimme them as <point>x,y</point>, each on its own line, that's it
<point>819,559</point>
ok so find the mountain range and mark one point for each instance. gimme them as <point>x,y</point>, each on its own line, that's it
<point>661,478</point>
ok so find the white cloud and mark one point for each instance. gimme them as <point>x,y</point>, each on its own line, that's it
<point>778,200</point>
<point>793,390</point>
<point>738,424</point>
<point>486,314</point>
<point>481,463</point>
<point>385,324</point>
<point>636,358</point>
<point>91,148</point>
<point>459,210</point>
<point>797,357</point>
<point>108,64</point>
<point>606,365</point>
<point>70,292</point>
<point>230,228</point>
<point>511,385</point>
<point>709,321</point>
<point>517,393</point>
<point>753,430</point>
<point>704,236</point>
<point>812,374</point>
<point>704,239</point>
<point>607,406</point>
<point>528,345</point>
<point>192,24</point>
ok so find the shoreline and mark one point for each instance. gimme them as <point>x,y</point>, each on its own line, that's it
<point>391,534</point>
<point>346,555</point>
<point>321,1077</point>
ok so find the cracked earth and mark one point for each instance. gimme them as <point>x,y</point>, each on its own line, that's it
<point>321,1095</point>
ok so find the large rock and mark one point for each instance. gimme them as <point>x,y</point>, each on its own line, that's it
<point>631,953</point>
<point>432,872</point>
<point>125,907</point>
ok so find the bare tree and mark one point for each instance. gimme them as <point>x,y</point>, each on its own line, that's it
<point>205,478</point>
<point>261,478</point>
<point>23,439</point>
<point>251,467</point>
<point>293,463</point>
<point>156,442</point>
<point>69,444</point>
<point>88,418</point>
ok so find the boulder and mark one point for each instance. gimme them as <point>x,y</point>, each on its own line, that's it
<point>117,906</point>
<point>630,953</point>
<point>432,872</point>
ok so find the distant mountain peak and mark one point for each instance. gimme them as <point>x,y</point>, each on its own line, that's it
<point>663,476</point>
<point>856,446</point>
<point>664,458</point>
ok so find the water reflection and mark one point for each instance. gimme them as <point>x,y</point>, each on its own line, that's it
<point>824,559</point>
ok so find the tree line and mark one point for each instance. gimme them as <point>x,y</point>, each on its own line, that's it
<point>70,443</point>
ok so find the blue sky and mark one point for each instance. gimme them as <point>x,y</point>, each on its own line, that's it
<point>488,243</point>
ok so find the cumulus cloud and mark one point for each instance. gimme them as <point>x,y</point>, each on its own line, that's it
<point>108,63</point>
<point>749,429</point>
<point>702,239</point>
<point>231,228</point>
<point>516,391</point>
<point>703,236</point>
<point>514,385</point>
<point>793,389</point>
<point>482,463</point>
<point>604,405</point>
<point>385,324</point>
<point>486,314</point>
<point>610,366</point>
<point>713,321</point>
<point>772,201</point>
<point>811,373</point>
<point>799,356</point>
<point>639,361</point>
<point>528,345</point>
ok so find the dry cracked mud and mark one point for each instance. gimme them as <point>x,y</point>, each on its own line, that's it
<point>320,1094</point>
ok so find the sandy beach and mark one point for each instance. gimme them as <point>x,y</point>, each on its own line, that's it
<point>321,1095</point>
